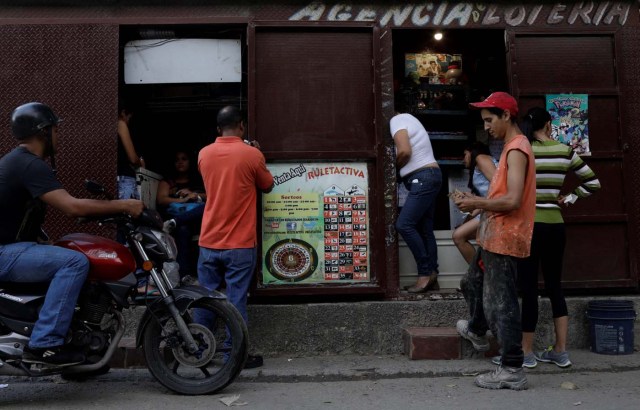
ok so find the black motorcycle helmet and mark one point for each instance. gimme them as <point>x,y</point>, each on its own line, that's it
<point>31,118</point>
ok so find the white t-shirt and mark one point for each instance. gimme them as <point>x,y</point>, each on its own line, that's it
<point>421,150</point>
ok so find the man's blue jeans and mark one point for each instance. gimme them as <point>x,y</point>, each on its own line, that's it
<point>235,267</point>
<point>66,269</point>
<point>415,222</point>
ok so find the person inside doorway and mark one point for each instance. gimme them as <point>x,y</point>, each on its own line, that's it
<point>481,166</point>
<point>128,158</point>
<point>422,177</point>
<point>181,197</point>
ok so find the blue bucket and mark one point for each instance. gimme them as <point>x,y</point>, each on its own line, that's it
<point>611,326</point>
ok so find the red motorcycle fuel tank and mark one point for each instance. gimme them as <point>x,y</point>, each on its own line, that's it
<point>109,260</point>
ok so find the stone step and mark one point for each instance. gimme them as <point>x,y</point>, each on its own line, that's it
<point>440,343</point>
<point>432,343</point>
<point>373,328</point>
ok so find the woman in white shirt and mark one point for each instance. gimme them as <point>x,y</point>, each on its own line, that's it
<point>422,177</point>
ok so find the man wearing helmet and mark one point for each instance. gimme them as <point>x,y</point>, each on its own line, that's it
<point>27,185</point>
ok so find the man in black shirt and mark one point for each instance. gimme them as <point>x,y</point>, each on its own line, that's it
<point>27,185</point>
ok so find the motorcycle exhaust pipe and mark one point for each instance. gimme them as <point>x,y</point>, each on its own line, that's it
<point>8,370</point>
<point>84,368</point>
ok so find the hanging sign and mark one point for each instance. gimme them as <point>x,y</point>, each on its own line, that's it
<point>316,224</point>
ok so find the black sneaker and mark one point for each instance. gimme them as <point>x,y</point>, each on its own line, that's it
<point>253,362</point>
<point>56,356</point>
<point>188,280</point>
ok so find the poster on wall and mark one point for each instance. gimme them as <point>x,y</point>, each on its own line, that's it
<point>316,224</point>
<point>570,120</point>
<point>430,65</point>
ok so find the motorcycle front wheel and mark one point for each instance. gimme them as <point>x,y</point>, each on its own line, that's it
<point>222,349</point>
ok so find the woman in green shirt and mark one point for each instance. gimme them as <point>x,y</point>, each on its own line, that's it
<point>553,161</point>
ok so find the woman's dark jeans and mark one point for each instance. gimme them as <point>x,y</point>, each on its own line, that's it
<point>415,222</point>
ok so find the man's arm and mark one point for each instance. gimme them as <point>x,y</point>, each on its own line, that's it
<point>77,207</point>
<point>264,180</point>
<point>516,171</point>
<point>403,148</point>
<point>486,166</point>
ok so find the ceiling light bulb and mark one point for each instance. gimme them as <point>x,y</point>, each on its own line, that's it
<point>438,36</point>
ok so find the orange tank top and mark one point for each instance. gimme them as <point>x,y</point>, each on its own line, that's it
<point>509,233</point>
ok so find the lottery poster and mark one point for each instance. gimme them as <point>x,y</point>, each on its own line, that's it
<point>316,224</point>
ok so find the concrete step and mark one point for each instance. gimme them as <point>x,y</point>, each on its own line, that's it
<point>441,343</point>
<point>432,343</point>
<point>420,343</point>
<point>376,327</point>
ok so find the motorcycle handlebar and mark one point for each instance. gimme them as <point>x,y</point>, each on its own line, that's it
<point>149,217</point>
<point>105,219</point>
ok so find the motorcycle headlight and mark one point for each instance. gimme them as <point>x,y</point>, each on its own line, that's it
<point>168,243</point>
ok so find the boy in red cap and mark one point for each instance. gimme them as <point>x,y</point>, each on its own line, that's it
<point>504,235</point>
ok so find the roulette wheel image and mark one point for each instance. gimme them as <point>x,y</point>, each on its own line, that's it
<point>291,260</point>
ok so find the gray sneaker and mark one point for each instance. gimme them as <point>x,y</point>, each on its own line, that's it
<point>529,360</point>
<point>503,377</point>
<point>480,343</point>
<point>551,356</point>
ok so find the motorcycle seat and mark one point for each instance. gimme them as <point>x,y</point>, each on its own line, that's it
<point>25,288</point>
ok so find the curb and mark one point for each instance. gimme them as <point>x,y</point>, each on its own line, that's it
<point>351,367</point>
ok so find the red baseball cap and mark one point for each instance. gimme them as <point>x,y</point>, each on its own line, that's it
<point>501,100</point>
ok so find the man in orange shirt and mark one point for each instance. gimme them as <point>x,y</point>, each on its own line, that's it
<point>504,236</point>
<point>233,171</point>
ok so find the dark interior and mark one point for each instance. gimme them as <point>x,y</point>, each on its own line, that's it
<point>172,117</point>
<point>451,125</point>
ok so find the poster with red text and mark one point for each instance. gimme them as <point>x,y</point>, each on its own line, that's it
<point>315,224</point>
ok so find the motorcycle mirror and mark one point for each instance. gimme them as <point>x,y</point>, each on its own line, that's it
<point>95,188</point>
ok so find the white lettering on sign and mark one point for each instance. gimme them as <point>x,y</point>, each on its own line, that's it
<point>11,297</point>
<point>459,14</point>
<point>287,176</point>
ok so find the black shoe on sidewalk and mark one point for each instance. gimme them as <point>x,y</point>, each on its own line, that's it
<point>253,362</point>
<point>55,356</point>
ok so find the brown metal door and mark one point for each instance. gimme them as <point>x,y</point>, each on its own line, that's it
<point>312,97</point>
<point>599,236</point>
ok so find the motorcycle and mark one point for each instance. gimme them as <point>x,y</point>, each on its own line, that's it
<point>181,353</point>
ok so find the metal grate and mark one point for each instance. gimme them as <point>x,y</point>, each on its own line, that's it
<point>74,69</point>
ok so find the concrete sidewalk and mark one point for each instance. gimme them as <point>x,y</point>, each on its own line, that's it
<point>335,368</point>
<point>595,382</point>
<point>353,367</point>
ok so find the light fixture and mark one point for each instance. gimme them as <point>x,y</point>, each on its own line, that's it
<point>438,35</point>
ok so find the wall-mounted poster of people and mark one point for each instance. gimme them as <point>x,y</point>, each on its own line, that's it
<point>431,66</point>
<point>570,120</point>
<point>316,224</point>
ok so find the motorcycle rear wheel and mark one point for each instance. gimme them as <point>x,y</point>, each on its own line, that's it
<point>215,367</point>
